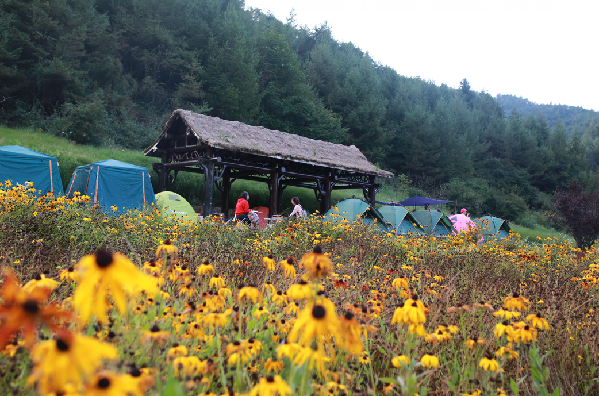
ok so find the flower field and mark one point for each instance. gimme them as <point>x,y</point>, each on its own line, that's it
<point>95,304</point>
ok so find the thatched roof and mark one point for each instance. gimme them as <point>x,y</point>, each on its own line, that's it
<point>237,136</point>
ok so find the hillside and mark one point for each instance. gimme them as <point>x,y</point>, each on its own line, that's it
<point>573,118</point>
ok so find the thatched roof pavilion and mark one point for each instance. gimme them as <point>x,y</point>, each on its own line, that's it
<point>228,150</point>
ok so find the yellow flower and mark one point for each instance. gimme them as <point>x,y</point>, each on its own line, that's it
<point>536,320</point>
<point>40,281</point>
<point>488,364</point>
<point>217,282</point>
<point>109,384</point>
<point>271,386</point>
<point>401,283</point>
<point>516,302</point>
<point>430,361</point>
<point>167,248</point>
<point>188,365</point>
<point>250,293</point>
<point>205,268</point>
<point>317,264</point>
<point>397,361</point>
<point>272,365</point>
<point>154,334</point>
<point>317,322</point>
<point>69,274</point>
<point>269,262</point>
<point>507,351</point>
<point>502,328</point>
<point>67,359</point>
<point>106,272</point>
<point>176,351</point>
<point>470,343</point>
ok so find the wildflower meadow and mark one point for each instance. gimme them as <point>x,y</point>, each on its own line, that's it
<point>140,304</point>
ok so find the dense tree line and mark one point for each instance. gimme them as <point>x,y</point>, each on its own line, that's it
<point>111,71</point>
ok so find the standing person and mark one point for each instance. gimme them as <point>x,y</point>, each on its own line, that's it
<point>298,211</point>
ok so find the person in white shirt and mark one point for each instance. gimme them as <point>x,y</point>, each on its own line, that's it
<point>298,212</point>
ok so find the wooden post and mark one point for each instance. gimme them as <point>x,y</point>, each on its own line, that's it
<point>280,198</point>
<point>225,194</point>
<point>209,181</point>
<point>162,178</point>
<point>274,193</point>
<point>371,191</point>
<point>325,202</point>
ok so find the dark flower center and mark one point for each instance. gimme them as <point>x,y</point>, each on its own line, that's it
<point>318,312</point>
<point>505,323</point>
<point>317,249</point>
<point>349,315</point>
<point>515,295</point>
<point>290,261</point>
<point>103,258</point>
<point>31,306</point>
<point>103,383</point>
<point>61,345</point>
<point>270,256</point>
<point>38,277</point>
<point>71,269</point>
<point>135,372</point>
<point>184,267</point>
<point>167,242</point>
<point>155,329</point>
<point>270,379</point>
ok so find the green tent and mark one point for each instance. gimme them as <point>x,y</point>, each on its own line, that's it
<point>79,180</point>
<point>356,209</point>
<point>20,165</point>
<point>493,227</point>
<point>401,220</point>
<point>170,203</point>
<point>434,223</point>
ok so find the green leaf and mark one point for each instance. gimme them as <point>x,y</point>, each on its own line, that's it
<point>514,387</point>
<point>173,388</point>
<point>388,380</point>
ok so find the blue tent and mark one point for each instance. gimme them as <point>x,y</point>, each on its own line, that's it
<point>401,220</point>
<point>19,165</point>
<point>421,201</point>
<point>116,183</point>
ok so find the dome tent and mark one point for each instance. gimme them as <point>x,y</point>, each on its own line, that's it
<point>19,165</point>
<point>171,203</point>
<point>434,223</point>
<point>493,227</point>
<point>115,183</point>
<point>401,220</point>
<point>356,209</point>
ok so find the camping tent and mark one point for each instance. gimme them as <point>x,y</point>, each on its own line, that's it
<point>401,220</point>
<point>171,203</point>
<point>19,165</point>
<point>356,209</point>
<point>493,227</point>
<point>115,183</point>
<point>79,180</point>
<point>433,222</point>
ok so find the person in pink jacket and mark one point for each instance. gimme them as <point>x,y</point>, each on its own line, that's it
<point>298,211</point>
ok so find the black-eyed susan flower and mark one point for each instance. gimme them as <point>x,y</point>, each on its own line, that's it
<point>188,365</point>
<point>67,359</point>
<point>250,293</point>
<point>350,334</point>
<point>21,311</point>
<point>271,386</point>
<point>273,365</point>
<point>269,262</point>
<point>401,361</point>
<point>217,282</point>
<point>317,322</point>
<point>317,264</point>
<point>176,351</point>
<point>505,314</point>
<point>487,363</point>
<point>288,267</point>
<point>472,342</point>
<point>205,268</point>
<point>300,291</point>
<point>68,274</point>
<point>42,282</point>
<point>154,334</point>
<point>502,328</point>
<point>429,360</point>
<point>506,350</point>
<point>401,283</point>
<point>316,359</point>
<point>261,311</point>
<point>187,290</point>
<point>166,248</point>
<point>152,267</point>
<point>279,298</point>
<point>516,302</point>
<point>110,384</point>
<point>268,287</point>
<point>536,320</point>
<point>107,273</point>
<point>364,359</point>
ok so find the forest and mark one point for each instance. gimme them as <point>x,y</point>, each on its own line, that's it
<point>110,72</point>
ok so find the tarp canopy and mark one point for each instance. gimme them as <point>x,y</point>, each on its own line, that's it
<point>79,180</point>
<point>400,219</point>
<point>172,203</point>
<point>356,209</point>
<point>116,183</point>
<point>421,201</point>
<point>434,223</point>
<point>493,227</point>
<point>19,165</point>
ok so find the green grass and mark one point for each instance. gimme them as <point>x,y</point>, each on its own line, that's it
<point>189,185</point>
<point>532,235</point>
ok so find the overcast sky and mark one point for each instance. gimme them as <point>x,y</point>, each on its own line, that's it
<point>545,51</point>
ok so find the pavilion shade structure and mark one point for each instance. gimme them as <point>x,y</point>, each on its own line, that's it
<point>225,151</point>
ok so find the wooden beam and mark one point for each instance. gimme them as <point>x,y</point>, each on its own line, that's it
<point>225,193</point>
<point>325,202</point>
<point>274,193</point>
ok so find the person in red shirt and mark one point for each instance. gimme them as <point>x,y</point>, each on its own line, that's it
<point>243,207</point>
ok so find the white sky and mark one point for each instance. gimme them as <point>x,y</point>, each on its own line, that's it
<point>541,50</point>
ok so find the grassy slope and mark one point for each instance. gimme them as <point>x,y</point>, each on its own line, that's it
<point>191,186</point>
